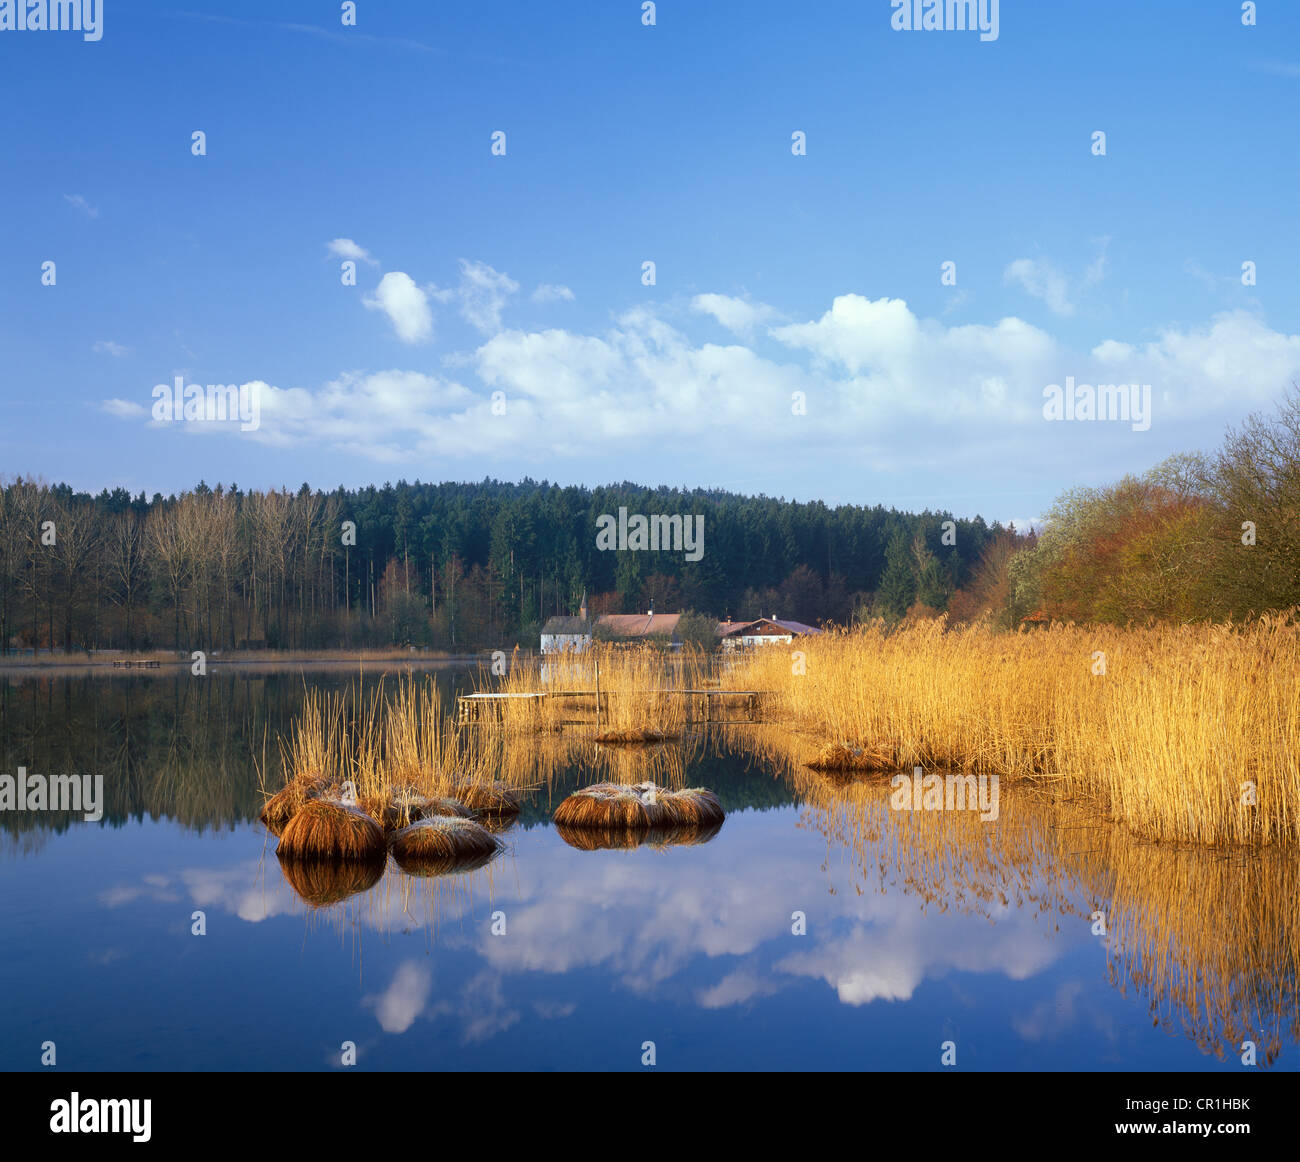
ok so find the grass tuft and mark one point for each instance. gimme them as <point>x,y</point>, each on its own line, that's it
<point>443,844</point>
<point>641,806</point>
<point>326,829</point>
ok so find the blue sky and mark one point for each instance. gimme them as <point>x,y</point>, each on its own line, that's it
<point>775,273</point>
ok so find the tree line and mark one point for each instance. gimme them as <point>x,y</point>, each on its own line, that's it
<point>451,566</point>
<point>1199,537</point>
<point>467,565</point>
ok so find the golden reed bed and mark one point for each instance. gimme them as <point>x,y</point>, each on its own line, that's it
<point>1185,733</point>
<point>1209,943</point>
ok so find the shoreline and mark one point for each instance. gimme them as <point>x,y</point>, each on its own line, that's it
<point>151,663</point>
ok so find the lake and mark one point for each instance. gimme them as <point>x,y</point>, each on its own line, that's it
<point>818,929</point>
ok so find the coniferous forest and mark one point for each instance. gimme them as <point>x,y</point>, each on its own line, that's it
<point>449,566</point>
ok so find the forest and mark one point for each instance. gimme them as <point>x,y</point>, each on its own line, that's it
<point>461,566</point>
<point>449,566</point>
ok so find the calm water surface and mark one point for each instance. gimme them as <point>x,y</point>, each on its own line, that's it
<point>920,929</point>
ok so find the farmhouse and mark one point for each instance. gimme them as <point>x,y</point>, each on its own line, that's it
<point>567,633</point>
<point>735,635</point>
<point>639,627</point>
<point>577,633</point>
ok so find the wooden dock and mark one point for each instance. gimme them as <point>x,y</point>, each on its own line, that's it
<point>474,707</point>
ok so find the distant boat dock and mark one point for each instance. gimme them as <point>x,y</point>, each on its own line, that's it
<point>711,701</point>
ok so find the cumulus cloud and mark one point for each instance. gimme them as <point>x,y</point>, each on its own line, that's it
<point>737,315</point>
<point>1235,356</point>
<point>346,248</point>
<point>405,304</point>
<point>387,415</point>
<point>896,389</point>
<point>552,293</point>
<point>398,1006</point>
<point>108,347</point>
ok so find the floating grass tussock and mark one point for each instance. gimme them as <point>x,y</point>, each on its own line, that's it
<point>326,829</point>
<point>623,838</point>
<point>284,804</point>
<point>843,756</point>
<point>400,808</point>
<point>614,806</point>
<point>424,808</point>
<point>487,798</point>
<point>443,844</point>
<point>321,883</point>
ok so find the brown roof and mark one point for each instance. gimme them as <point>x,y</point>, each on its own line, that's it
<point>740,628</point>
<point>639,624</point>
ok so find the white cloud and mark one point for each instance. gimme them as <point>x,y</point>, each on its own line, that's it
<point>123,409</point>
<point>898,390</point>
<point>405,304</point>
<point>1235,357</point>
<point>1039,278</point>
<point>108,347</point>
<point>737,315</point>
<point>736,988</point>
<point>81,204</point>
<point>552,293</point>
<point>346,248</point>
<point>483,293</point>
<point>398,1006</point>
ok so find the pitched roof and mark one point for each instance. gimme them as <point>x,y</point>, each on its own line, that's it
<point>639,624</point>
<point>739,628</point>
<point>568,625</point>
<point>793,626</point>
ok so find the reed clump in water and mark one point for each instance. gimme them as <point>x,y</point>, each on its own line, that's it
<point>284,804</point>
<point>616,807</point>
<point>494,798</point>
<point>321,883</point>
<point>326,829</point>
<point>843,756</point>
<point>395,753</point>
<point>624,838</point>
<point>443,844</point>
<point>402,806</point>
<point>1186,733</point>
